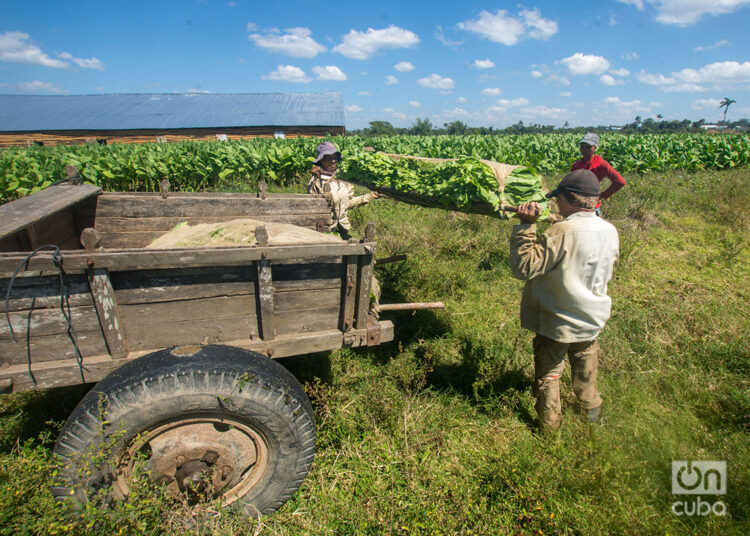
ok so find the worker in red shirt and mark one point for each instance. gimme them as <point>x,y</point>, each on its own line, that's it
<point>600,167</point>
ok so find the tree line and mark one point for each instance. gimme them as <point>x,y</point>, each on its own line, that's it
<point>424,127</point>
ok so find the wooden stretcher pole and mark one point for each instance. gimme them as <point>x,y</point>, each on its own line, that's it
<point>410,306</point>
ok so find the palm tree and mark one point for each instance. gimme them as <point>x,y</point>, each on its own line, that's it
<point>659,117</point>
<point>725,103</point>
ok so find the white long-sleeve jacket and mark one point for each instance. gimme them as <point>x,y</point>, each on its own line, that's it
<point>566,270</point>
<point>342,198</point>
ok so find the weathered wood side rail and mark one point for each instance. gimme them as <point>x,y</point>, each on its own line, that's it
<point>130,220</point>
<point>78,261</point>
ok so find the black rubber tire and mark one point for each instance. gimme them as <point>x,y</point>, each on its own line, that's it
<point>243,386</point>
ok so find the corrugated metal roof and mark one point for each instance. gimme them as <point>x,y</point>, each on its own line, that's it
<point>167,111</point>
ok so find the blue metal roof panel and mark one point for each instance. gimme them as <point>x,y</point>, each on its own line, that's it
<point>168,111</point>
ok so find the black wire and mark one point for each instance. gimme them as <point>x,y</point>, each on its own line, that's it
<point>57,260</point>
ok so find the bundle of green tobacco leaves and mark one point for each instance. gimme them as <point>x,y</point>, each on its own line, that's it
<point>465,184</point>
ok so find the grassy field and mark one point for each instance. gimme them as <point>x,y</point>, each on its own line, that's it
<point>433,434</point>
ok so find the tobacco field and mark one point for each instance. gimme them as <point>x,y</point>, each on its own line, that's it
<point>193,166</point>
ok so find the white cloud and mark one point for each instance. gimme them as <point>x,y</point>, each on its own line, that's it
<point>91,63</point>
<point>329,72</point>
<point>686,12</point>
<point>566,94</point>
<point>33,86</point>
<point>580,63</point>
<point>503,105</point>
<point>720,75</point>
<point>630,56</point>
<point>352,108</point>
<point>404,67</point>
<point>415,104</point>
<point>717,44</point>
<point>399,115</point>
<point>295,42</point>
<point>608,80</point>
<point>391,80</point>
<point>545,112</point>
<point>538,27</point>
<point>619,72</point>
<point>388,110</point>
<point>637,3</point>
<point>558,80</point>
<point>363,93</point>
<point>503,28</point>
<point>435,81</point>
<point>447,42</point>
<point>288,73</point>
<point>626,108</point>
<point>362,45</point>
<point>251,27</point>
<point>703,104</point>
<point>16,47</point>
<point>536,74</point>
<point>461,100</point>
<point>484,64</point>
<point>492,91</point>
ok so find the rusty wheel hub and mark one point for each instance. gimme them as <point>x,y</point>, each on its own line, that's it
<point>202,457</point>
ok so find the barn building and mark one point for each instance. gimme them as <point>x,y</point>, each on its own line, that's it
<point>140,118</point>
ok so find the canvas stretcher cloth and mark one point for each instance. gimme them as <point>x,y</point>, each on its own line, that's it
<point>237,233</point>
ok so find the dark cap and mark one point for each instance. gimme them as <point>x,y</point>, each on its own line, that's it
<point>326,148</point>
<point>581,181</point>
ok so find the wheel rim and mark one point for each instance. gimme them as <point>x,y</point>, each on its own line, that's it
<point>203,457</point>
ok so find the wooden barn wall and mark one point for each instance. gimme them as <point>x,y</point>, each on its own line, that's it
<point>80,137</point>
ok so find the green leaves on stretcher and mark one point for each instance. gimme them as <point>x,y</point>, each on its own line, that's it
<point>457,184</point>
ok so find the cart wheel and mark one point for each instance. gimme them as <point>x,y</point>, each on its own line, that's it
<point>215,421</point>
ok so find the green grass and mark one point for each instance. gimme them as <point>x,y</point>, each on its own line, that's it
<point>433,434</point>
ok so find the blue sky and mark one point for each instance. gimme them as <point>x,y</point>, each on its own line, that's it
<point>484,63</point>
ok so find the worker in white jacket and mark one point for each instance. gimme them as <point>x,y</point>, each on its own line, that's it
<point>565,300</point>
<point>342,193</point>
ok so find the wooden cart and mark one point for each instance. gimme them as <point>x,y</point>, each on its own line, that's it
<point>179,338</point>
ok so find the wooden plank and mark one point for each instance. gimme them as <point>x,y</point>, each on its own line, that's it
<point>43,293</point>
<point>167,223</point>
<point>364,278</point>
<point>306,269</point>
<point>237,205</point>
<point>57,229</point>
<point>200,331</point>
<point>183,292</point>
<point>48,322</point>
<point>31,237</point>
<point>302,300</point>
<point>11,243</point>
<point>21,213</point>
<point>264,293</point>
<point>66,372</point>
<point>137,259</point>
<point>60,373</point>
<point>107,309</point>
<point>156,315</point>
<point>42,348</point>
<point>348,293</point>
<point>308,321</point>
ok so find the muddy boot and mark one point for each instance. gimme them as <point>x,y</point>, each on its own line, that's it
<point>593,415</point>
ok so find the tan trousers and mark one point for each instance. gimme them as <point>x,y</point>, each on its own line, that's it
<point>549,364</point>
